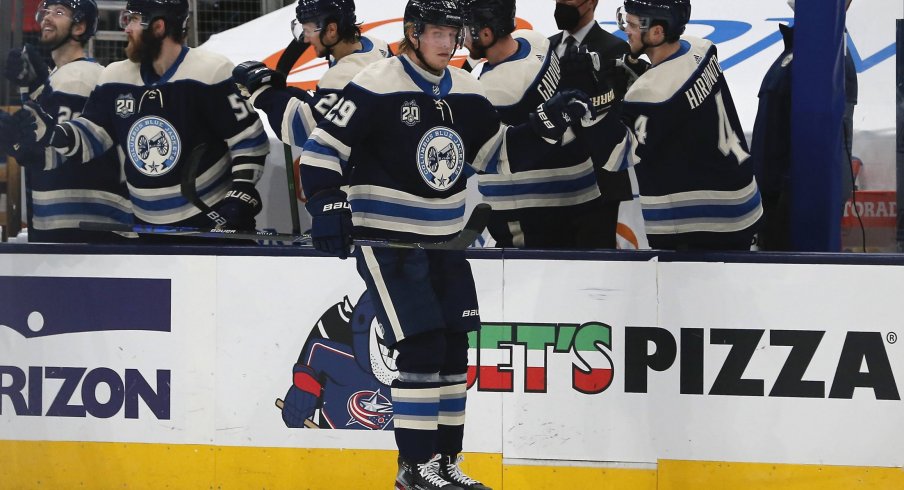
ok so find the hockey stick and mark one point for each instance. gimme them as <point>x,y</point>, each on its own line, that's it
<point>310,424</point>
<point>478,220</point>
<point>188,186</point>
<point>284,65</point>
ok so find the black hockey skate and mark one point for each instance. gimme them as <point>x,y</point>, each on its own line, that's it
<point>450,469</point>
<point>425,476</point>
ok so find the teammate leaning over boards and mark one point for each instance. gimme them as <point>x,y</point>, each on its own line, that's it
<point>329,26</point>
<point>696,183</point>
<point>59,196</point>
<point>404,137</point>
<point>155,108</point>
<point>560,206</point>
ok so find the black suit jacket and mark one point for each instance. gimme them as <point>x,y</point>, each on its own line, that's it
<point>615,186</point>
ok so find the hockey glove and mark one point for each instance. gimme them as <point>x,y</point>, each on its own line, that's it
<point>251,76</point>
<point>302,397</point>
<point>554,116</point>
<point>37,128</point>
<point>241,204</point>
<point>331,222</point>
<point>633,67</point>
<point>583,70</point>
<point>25,68</point>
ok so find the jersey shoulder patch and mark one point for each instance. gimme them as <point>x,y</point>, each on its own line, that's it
<point>506,83</point>
<point>384,77</point>
<point>663,81</point>
<point>125,71</point>
<point>76,78</point>
<point>535,38</point>
<point>204,66</point>
<point>465,83</point>
<point>345,69</point>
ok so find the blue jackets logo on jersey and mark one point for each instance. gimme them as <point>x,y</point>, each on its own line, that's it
<point>440,157</point>
<point>154,146</point>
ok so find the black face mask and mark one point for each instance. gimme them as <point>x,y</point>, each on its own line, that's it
<point>567,16</point>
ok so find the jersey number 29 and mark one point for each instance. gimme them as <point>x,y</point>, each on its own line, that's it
<point>342,112</point>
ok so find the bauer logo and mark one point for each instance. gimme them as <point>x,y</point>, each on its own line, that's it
<point>44,306</point>
<point>154,146</point>
<point>440,158</point>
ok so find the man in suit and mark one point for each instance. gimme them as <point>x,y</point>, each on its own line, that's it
<point>579,28</point>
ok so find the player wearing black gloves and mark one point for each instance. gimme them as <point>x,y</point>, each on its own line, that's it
<point>25,68</point>
<point>158,105</point>
<point>559,206</point>
<point>61,191</point>
<point>329,26</point>
<point>577,20</point>
<point>402,140</point>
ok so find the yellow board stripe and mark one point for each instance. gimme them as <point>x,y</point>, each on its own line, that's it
<point>41,464</point>
<point>686,475</point>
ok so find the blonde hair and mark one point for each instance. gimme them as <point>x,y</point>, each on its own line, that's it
<point>405,44</point>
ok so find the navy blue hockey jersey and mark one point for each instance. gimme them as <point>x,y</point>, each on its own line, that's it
<point>60,196</point>
<point>404,139</point>
<point>516,86</point>
<point>156,121</point>
<point>293,114</point>
<point>695,175</point>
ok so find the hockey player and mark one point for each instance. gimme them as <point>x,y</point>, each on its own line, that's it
<point>58,196</point>
<point>696,183</point>
<point>560,206</point>
<point>329,27</point>
<point>155,107</point>
<point>402,137</point>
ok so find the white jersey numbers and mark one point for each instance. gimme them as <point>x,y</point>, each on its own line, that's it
<point>326,103</point>
<point>240,106</point>
<point>640,129</point>
<point>342,112</point>
<point>728,139</point>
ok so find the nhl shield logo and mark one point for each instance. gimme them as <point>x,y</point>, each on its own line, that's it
<point>154,146</point>
<point>441,157</point>
<point>125,105</point>
<point>411,113</point>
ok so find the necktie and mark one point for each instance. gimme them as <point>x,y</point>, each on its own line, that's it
<point>570,45</point>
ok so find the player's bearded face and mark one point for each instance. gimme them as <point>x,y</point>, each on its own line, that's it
<point>144,45</point>
<point>477,48</point>
<point>436,45</point>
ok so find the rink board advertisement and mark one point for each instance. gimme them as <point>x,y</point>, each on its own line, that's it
<point>108,348</point>
<point>577,360</point>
